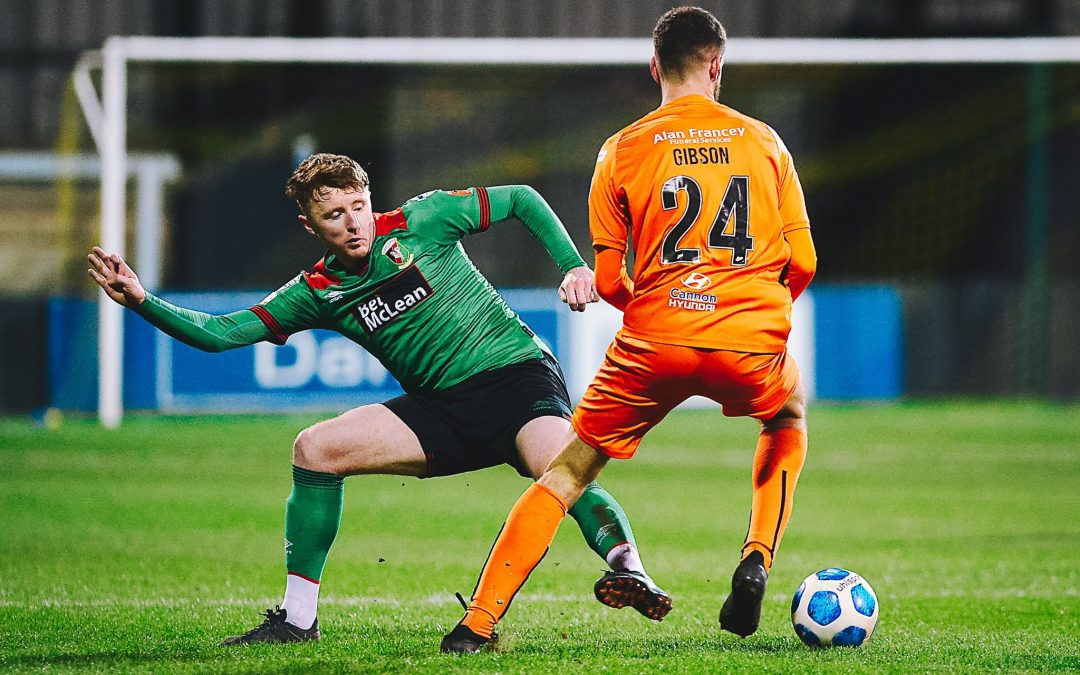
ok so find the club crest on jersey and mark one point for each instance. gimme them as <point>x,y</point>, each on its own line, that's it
<point>696,281</point>
<point>397,253</point>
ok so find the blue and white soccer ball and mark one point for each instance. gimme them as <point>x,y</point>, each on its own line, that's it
<point>834,607</point>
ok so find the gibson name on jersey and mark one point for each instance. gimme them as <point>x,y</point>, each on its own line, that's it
<point>700,155</point>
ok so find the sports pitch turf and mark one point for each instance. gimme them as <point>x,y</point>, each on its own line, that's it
<point>138,550</point>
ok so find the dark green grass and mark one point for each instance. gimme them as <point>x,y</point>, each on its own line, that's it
<point>138,550</point>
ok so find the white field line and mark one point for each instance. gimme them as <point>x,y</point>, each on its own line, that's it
<point>332,600</point>
<point>440,599</point>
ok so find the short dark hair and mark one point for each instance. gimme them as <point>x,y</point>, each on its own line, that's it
<point>684,36</point>
<point>321,171</point>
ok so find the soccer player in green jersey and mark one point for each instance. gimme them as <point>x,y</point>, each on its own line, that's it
<point>481,388</point>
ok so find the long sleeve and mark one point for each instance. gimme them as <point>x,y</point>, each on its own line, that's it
<point>526,204</point>
<point>208,332</point>
<point>803,263</point>
<point>612,282</point>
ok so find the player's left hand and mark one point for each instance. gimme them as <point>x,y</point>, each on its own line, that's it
<point>115,277</point>
<point>578,288</point>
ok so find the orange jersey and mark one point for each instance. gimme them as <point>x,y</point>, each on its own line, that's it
<point>706,195</point>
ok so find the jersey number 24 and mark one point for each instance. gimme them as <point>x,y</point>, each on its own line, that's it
<point>734,207</point>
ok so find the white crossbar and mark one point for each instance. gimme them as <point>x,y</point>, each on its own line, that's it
<point>590,51</point>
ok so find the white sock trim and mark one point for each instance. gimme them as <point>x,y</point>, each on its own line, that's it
<point>624,557</point>
<point>301,603</point>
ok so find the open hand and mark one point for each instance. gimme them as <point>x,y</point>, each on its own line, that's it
<point>578,288</point>
<point>115,278</point>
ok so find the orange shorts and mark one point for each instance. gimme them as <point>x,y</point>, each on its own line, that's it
<point>640,382</point>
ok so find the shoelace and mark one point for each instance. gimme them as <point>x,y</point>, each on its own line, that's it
<point>273,617</point>
<point>465,606</point>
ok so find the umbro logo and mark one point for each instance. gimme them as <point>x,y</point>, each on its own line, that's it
<point>696,281</point>
<point>333,296</point>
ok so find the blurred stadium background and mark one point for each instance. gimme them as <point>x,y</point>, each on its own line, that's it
<point>951,185</point>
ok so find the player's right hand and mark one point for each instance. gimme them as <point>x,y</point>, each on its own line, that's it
<point>579,288</point>
<point>114,276</point>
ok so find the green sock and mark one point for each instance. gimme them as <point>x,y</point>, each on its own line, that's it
<point>602,521</point>
<point>312,518</point>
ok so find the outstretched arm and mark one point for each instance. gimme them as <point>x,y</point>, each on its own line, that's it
<point>524,203</point>
<point>208,332</point>
<point>114,276</point>
<point>203,331</point>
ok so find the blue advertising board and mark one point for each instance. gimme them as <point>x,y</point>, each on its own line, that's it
<point>313,370</point>
<point>856,337</point>
<point>858,343</point>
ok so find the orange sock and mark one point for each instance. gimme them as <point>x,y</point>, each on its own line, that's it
<point>521,545</point>
<point>778,461</point>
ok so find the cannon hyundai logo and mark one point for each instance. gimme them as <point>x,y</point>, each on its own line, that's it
<point>693,299</point>
<point>696,281</point>
<point>392,299</point>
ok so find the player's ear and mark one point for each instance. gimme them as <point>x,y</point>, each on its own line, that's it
<point>307,225</point>
<point>654,69</point>
<point>714,68</point>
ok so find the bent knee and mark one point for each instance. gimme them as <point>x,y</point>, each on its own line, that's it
<point>311,452</point>
<point>792,415</point>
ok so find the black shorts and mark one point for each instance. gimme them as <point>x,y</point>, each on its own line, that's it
<point>474,424</point>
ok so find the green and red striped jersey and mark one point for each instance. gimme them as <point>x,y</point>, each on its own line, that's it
<point>421,307</point>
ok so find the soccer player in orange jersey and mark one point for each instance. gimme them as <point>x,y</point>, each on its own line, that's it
<point>722,247</point>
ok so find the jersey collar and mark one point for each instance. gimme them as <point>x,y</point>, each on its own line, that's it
<point>330,272</point>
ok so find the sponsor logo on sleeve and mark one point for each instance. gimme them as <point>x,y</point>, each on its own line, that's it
<point>421,197</point>
<point>460,193</point>
<point>392,299</point>
<point>269,298</point>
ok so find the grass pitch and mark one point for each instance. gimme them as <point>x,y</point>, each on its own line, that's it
<point>138,550</point>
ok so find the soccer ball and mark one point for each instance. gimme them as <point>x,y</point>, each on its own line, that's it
<point>834,607</point>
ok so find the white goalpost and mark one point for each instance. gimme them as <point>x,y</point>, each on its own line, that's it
<point>107,117</point>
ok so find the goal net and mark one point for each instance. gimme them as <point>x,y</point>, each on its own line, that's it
<point>941,167</point>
